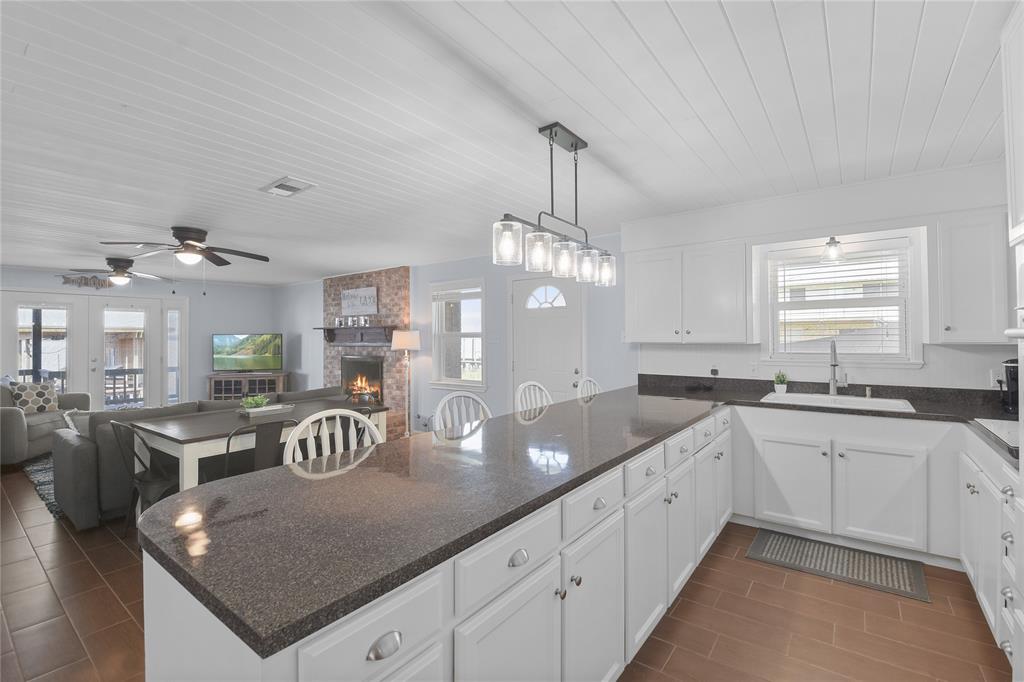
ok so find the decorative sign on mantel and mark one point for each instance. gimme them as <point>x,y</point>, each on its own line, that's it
<point>359,301</point>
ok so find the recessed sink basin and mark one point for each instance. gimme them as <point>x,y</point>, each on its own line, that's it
<point>850,402</point>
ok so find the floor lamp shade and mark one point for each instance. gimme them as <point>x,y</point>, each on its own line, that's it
<point>405,339</point>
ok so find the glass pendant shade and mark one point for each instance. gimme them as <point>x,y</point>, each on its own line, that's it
<point>538,252</point>
<point>586,265</point>
<point>563,256</point>
<point>605,271</point>
<point>508,243</point>
<point>833,252</point>
<point>119,280</point>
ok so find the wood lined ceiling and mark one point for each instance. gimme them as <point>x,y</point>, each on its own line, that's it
<point>417,121</point>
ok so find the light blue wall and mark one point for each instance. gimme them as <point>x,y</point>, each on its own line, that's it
<point>300,308</point>
<point>609,360</point>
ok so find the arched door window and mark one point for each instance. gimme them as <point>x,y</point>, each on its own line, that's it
<point>546,296</point>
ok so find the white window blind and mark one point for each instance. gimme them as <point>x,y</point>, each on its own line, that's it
<point>457,350</point>
<point>861,302</point>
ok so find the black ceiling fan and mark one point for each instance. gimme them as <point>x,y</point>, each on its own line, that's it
<point>191,248</point>
<point>119,271</point>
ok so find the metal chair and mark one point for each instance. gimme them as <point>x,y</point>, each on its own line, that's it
<point>267,450</point>
<point>149,485</point>
<point>531,395</point>
<point>459,407</point>
<point>337,430</point>
<point>588,388</point>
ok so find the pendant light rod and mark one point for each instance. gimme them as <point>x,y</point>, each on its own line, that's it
<point>551,167</point>
<point>575,186</point>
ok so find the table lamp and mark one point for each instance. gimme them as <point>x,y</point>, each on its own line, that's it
<point>407,340</point>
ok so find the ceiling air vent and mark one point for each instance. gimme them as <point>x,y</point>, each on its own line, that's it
<point>286,187</point>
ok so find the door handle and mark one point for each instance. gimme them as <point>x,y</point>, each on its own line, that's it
<point>575,384</point>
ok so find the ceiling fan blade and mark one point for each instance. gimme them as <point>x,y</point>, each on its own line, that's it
<point>243,254</point>
<point>214,258</point>
<point>139,245</point>
<point>154,252</point>
<point>144,275</point>
<point>91,271</point>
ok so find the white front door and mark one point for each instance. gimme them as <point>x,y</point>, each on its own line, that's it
<point>547,332</point>
<point>125,349</point>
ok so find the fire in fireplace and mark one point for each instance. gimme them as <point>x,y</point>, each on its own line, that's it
<point>362,377</point>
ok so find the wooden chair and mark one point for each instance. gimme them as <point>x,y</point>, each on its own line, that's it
<point>330,432</point>
<point>531,395</point>
<point>588,388</point>
<point>459,407</point>
<point>150,483</point>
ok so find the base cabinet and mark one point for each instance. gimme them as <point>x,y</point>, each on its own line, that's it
<point>793,482</point>
<point>704,498</point>
<point>646,564</point>
<point>682,527</point>
<point>593,576</point>
<point>722,458</point>
<point>981,553</point>
<point>518,636</point>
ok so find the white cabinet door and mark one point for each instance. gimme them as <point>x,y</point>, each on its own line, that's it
<point>715,293</point>
<point>972,280</point>
<point>518,636</point>
<point>793,482</point>
<point>646,565</point>
<point>654,296</point>
<point>723,479</point>
<point>989,558</point>
<point>1013,121</point>
<point>682,527</point>
<point>881,494</point>
<point>593,619</point>
<point>707,509</point>
<point>968,483</point>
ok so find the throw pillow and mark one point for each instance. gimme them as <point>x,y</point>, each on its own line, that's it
<point>34,397</point>
<point>72,417</point>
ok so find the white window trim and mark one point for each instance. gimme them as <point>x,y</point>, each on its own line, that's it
<point>437,335</point>
<point>915,238</point>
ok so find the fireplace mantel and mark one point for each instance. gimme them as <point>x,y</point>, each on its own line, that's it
<point>358,336</point>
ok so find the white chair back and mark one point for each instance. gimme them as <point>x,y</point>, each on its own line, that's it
<point>460,407</point>
<point>350,429</point>
<point>588,388</point>
<point>531,395</point>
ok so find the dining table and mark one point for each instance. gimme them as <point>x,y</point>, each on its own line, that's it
<point>191,437</point>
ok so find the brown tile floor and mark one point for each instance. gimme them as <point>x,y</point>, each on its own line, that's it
<point>70,602</point>
<point>738,619</point>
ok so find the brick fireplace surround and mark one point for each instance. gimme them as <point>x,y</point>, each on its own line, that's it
<point>393,310</point>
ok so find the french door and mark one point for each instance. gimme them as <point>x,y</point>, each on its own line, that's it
<point>124,351</point>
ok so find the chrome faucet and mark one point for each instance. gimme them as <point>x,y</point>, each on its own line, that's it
<point>833,365</point>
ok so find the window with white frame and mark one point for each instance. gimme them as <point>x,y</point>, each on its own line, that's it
<point>458,332</point>
<point>862,301</point>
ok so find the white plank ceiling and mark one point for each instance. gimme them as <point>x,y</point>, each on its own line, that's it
<point>418,121</point>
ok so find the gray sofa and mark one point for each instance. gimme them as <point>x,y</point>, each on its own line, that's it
<point>24,436</point>
<point>90,481</point>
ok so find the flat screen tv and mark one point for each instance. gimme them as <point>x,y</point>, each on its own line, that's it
<point>247,352</point>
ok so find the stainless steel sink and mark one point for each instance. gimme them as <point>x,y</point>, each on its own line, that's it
<point>850,402</point>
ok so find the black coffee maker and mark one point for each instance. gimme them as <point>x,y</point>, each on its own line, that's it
<point>1008,389</point>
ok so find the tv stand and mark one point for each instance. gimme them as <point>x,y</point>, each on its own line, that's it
<point>237,385</point>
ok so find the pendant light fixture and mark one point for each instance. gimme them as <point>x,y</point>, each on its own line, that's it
<point>833,252</point>
<point>547,250</point>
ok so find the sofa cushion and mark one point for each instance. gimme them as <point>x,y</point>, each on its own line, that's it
<point>42,424</point>
<point>34,397</point>
<point>329,392</point>
<point>98,419</point>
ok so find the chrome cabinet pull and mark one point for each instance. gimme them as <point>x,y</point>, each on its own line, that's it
<point>518,558</point>
<point>674,495</point>
<point>974,491</point>
<point>970,486</point>
<point>719,455</point>
<point>1007,490</point>
<point>683,449</point>
<point>576,580</point>
<point>948,328</point>
<point>560,593</point>
<point>677,332</point>
<point>1006,647</point>
<point>725,421</point>
<point>669,500</point>
<point>842,454</point>
<point>385,646</point>
<point>707,434</point>
<point>824,453</point>
<point>1007,593</point>
<point>687,331</point>
<point>650,471</point>
<point>599,503</point>
<point>1007,537</point>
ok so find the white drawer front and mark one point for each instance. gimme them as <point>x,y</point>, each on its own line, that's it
<point>374,641</point>
<point>644,469</point>
<point>703,433</point>
<point>678,448</point>
<point>592,502</point>
<point>722,420</point>
<point>427,667</point>
<point>487,568</point>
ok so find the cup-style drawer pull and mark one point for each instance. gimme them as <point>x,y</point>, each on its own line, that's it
<point>707,434</point>
<point>683,449</point>
<point>385,646</point>
<point>1007,490</point>
<point>725,421</point>
<point>518,558</point>
<point>600,503</point>
<point>651,471</point>
<point>1007,537</point>
<point>1006,647</point>
<point>1007,593</point>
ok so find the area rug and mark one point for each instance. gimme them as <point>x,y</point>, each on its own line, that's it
<point>40,472</point>
<point>877,571</point>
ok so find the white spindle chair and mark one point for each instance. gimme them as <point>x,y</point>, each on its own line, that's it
<point>531,395</point>
<point>347,426</point>
<point>459,407</point>
<point>588,388</point>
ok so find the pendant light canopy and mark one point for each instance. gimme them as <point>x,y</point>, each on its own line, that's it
<point>833,252</point>
<point>545,249</point>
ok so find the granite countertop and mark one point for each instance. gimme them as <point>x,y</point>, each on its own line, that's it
<point>281,553</point>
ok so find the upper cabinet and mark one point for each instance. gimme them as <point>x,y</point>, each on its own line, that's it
<point>1013,119</point>
<point>696,294</point>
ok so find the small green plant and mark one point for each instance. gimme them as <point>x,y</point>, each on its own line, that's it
<point>781,378</point>
<point>255,401</point>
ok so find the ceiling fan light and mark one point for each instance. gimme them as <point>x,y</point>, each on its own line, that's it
<point>538,251</point>
<point>833,252</point>
<point>119,279</point>
<point>605,271</point>
<point>563,255</point>
<point>508,243</point>
<point>586,265</point>
<point>188,256</point>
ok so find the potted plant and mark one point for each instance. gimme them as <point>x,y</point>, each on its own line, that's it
<point>255,403</point>
<point>781,381</point>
